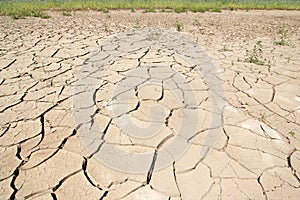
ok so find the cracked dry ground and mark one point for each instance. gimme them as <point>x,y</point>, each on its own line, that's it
<point>257,155</point>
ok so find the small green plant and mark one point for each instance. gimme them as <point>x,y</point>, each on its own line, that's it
<point>263,117</point>
<point>13,8</point>
<point>255,56</point>
<point>40,14</point>
<point>150,10</point>
<point>292,133</point>
<point>104,10</point>
<point>132,10</point>
<point>166,10</point>
<point>216,10</point>
<point>20,15</point>
<point>65,13</point>
<point>198,9</point>
<point>180,10</point>
<point>282,38</point>
<point>179,26</point>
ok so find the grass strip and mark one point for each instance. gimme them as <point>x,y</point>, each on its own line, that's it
<point>21,9</point>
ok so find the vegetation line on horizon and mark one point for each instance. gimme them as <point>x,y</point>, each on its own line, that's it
<point>21,9</point>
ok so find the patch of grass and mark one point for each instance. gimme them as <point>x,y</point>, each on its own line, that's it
<point>21,9</point>
<point>105,10</point>
<point>150,10</point>
<point>40,14</point>
<point>256,55</point>
<point>179,26</point>
<point>282,41</point>
<point>166,10</point>
<point>198,9</point>
<point>67,14</point>
<point>216,10</point>
<point>23,14</point>
<point>180,10</point>
<point>132,10</point>
<point>20,15</point>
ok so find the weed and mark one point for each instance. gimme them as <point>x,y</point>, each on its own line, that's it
<point>166,10</point>
<point>20,9</point>
<point>198,9</point>
<point>150,10</point>
<point>20,15</point>
<point>292,133</point>
<point>282,38</point>
<point>179,26</point>
<point>216,10</point>
<point>255,56</point>
<point>64,13</point>
<point>40,14</point>
<point>104,10</point>
<point>263,117</point>
<point>132,10</point>
<point>180,10</point>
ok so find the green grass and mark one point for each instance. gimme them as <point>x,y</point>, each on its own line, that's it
<point>40,14</point>
<point>180,9</point>
<point>19,9</point>
<point>282,41</point>
<point>216,10</point>
<point>150,10</point>
<point>166,10</point>
<point>256,55</point>
<point>65,13</point>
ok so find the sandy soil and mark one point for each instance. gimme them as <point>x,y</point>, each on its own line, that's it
<point>257,155</point>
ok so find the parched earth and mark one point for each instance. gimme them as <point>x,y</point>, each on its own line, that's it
<point>60,77</point>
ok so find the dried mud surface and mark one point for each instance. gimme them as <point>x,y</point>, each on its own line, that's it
<point>257,155</point>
